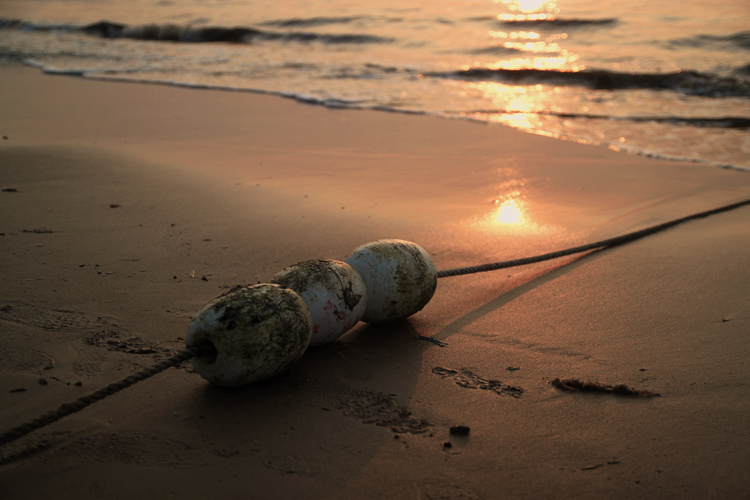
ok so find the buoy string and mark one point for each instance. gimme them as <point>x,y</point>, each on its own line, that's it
<point>611,242</point>
<point>84,401</point>
<point>186,354</point>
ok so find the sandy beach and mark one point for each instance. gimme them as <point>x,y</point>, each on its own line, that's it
<point>126,207</point>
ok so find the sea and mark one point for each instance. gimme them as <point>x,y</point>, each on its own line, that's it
<point>667,79</point>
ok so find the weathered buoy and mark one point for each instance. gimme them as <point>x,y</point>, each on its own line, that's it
<point>400,277</point>
<point>256,331</point>
<point>335,294</point>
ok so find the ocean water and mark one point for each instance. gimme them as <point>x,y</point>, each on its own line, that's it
<point>668,79</point>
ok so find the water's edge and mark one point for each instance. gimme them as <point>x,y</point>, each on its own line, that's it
<point>341,104</point>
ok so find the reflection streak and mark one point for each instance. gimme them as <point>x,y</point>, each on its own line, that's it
<point>524,106</point>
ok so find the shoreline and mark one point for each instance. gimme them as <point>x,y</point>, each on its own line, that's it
<point>299,99</point>
<point>128,196</point>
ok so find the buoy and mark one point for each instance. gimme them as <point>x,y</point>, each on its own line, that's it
<point>256,332</point>
<point>335,294</point>
<point>400,277</point>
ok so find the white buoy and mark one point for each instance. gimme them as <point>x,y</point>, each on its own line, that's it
<point>335,294</point>
<point>400,277</point>
<point>256,332</point>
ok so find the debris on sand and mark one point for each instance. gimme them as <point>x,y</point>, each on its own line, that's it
<point>575,385</point>
<point>460,430</point>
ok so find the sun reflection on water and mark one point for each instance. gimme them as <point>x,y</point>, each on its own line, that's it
<point>512,210</point>
<point>518,106</point>
<point>509,212</point>
<point>518,103</point>
<point>509,209</point>
<point>544,51</point>
<point>532,7</point>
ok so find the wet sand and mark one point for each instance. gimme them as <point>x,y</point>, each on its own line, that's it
<point>125,208</point>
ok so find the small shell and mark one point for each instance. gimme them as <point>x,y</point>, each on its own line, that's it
<point>257,332</point>
<point>400,277</point>
<point>334,292</point>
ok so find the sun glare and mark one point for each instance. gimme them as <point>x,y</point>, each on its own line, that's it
<point>529,6</point>
<point>509,212</point>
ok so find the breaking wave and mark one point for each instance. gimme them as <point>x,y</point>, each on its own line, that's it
<point>206,34</point>
<point>726,122</point>
<point>556,22</point>
<point>685,82</point>
<point>739,40</point>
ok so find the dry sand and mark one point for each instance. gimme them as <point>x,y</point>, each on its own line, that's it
<point>126,207</point>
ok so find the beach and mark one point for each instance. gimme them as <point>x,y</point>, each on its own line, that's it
<point>126,207</point>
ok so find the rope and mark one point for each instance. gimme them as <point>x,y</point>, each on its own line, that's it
<point>611,242</point>
<point>184,355</point>
<point>84,401</point>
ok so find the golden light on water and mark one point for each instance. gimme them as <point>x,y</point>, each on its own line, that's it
<point>536,47</point>
<point>531,10</point>
<point>541,52</point>
<point>533,5</point>
<point>513,211</point>
<point>524,35</point>
<point>521,105</point>
<point>524,17</point>
<point>532,42</point>
<point>509,212</point>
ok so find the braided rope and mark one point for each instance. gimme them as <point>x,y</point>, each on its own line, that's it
<point>84,401</point>
<point>611,242</point>
<point>186,354</point>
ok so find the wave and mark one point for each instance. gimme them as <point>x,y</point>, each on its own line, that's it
<point>495,50</point>
<point>685,82</point>
<point>310,21</point>
<point>726,122</point>
<point>10,23</point>
<point>544,21</point>
<point>733,122</point>
<point>192,34</point>
<point>740,40</point>
<point>178,33</point>
<point>738,123</point>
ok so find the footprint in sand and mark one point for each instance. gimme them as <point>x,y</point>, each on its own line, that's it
<point>52,319</point>
<point>380,409</point>
<point>466,378</point>
<point>21,360</point>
